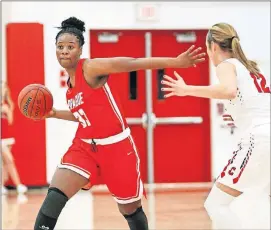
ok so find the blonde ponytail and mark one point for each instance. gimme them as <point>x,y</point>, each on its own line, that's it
<point>228,40</point>
<point>239,54</point>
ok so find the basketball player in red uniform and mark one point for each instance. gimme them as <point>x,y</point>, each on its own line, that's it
<point>9,167</point>
<point>103,145</point>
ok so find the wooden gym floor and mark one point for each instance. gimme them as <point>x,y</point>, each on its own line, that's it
<point>167,210</point>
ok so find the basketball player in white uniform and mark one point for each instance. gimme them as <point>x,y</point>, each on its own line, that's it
<point>240,197</point>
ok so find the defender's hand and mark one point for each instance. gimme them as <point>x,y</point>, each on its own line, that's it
<point>174,87</point>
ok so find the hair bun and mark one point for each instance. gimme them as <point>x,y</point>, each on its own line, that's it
<point>73,22</point>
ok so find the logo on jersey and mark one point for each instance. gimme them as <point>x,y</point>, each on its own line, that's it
<point>76,101</point>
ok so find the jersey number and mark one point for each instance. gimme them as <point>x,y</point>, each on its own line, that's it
<point>262,88</point>
<point>82,118</point>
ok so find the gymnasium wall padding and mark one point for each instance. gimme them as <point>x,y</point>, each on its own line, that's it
<point>25,65</point>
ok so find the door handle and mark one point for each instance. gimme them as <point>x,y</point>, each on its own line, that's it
<point>178,120</point>
<point>163,120</point>
<point>138,121</point>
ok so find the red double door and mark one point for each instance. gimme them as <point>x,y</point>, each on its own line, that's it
<point>172,135</point>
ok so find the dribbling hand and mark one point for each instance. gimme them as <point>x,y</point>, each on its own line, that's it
<point>52,113</point>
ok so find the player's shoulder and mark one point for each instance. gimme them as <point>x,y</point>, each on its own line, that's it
<point>87,64</point>
<point>86,61</point>
<point>230,62</point>
<point>226,63</point>
<point>225,67</point>
<point>82,65</point>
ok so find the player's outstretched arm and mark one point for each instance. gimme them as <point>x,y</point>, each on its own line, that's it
<point>6,109</point>
<point>9,100</point>
<point>61,114</point>
<point>226,89</point>
<point>10,107</point>
<point>104,66</point>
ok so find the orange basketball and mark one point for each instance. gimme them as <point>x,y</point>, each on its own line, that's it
<point>35,101</point>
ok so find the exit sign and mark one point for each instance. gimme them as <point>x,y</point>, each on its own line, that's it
<point>147,12</point>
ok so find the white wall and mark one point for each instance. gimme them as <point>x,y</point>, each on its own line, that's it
<point>251,20</point>
<point>6,15</point>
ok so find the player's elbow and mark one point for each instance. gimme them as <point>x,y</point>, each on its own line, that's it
<point>230,93</point>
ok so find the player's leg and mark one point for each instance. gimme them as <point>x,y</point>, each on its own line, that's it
<point>121,172</point>
<point>241,185</point>
<point>135,215</point>
<point>253,205</point>
<point>231,209</point>
<point>71,175</point>
<point>9,163</point>
<point>11,169</point>
<point>253,209</point>
<point>4,169</point>
<point>65,184</point>
<point>218,204</point>
<point>4,177</point>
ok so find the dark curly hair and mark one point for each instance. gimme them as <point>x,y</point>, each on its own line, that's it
<point>74,26</point>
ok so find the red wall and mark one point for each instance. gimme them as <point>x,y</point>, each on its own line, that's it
<point>25,65</point>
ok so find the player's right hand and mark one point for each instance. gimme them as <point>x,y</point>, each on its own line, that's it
<point>52,113</point>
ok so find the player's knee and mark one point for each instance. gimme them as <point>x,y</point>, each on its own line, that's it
<point>137,220</point>
<point>7,156</point>
<point>216,199</point>
<point>9,162</point>
<point>51,209</point>
<point>208,205</point>
<point>54,202</point>
<point>212,202</point>
<point>127,209</point>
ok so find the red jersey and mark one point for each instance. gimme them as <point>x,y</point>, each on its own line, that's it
<point>98,111</point>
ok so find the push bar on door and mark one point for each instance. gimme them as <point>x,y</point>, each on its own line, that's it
<point>164,120</point>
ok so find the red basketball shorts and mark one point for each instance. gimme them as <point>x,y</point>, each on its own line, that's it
<point>116,164</point>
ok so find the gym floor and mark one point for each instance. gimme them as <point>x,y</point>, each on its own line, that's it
<point>166,209</point>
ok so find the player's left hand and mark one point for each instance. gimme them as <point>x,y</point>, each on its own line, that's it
<point>190,57</point>
<point>174,87</point>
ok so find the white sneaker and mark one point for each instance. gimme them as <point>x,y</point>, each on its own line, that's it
<point>21,189</point>
<point>22,199</point>
<point>4,190</point>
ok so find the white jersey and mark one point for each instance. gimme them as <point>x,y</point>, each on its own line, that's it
<point>251,106</point>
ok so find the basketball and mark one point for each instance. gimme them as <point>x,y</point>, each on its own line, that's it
<point>35,101</point>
